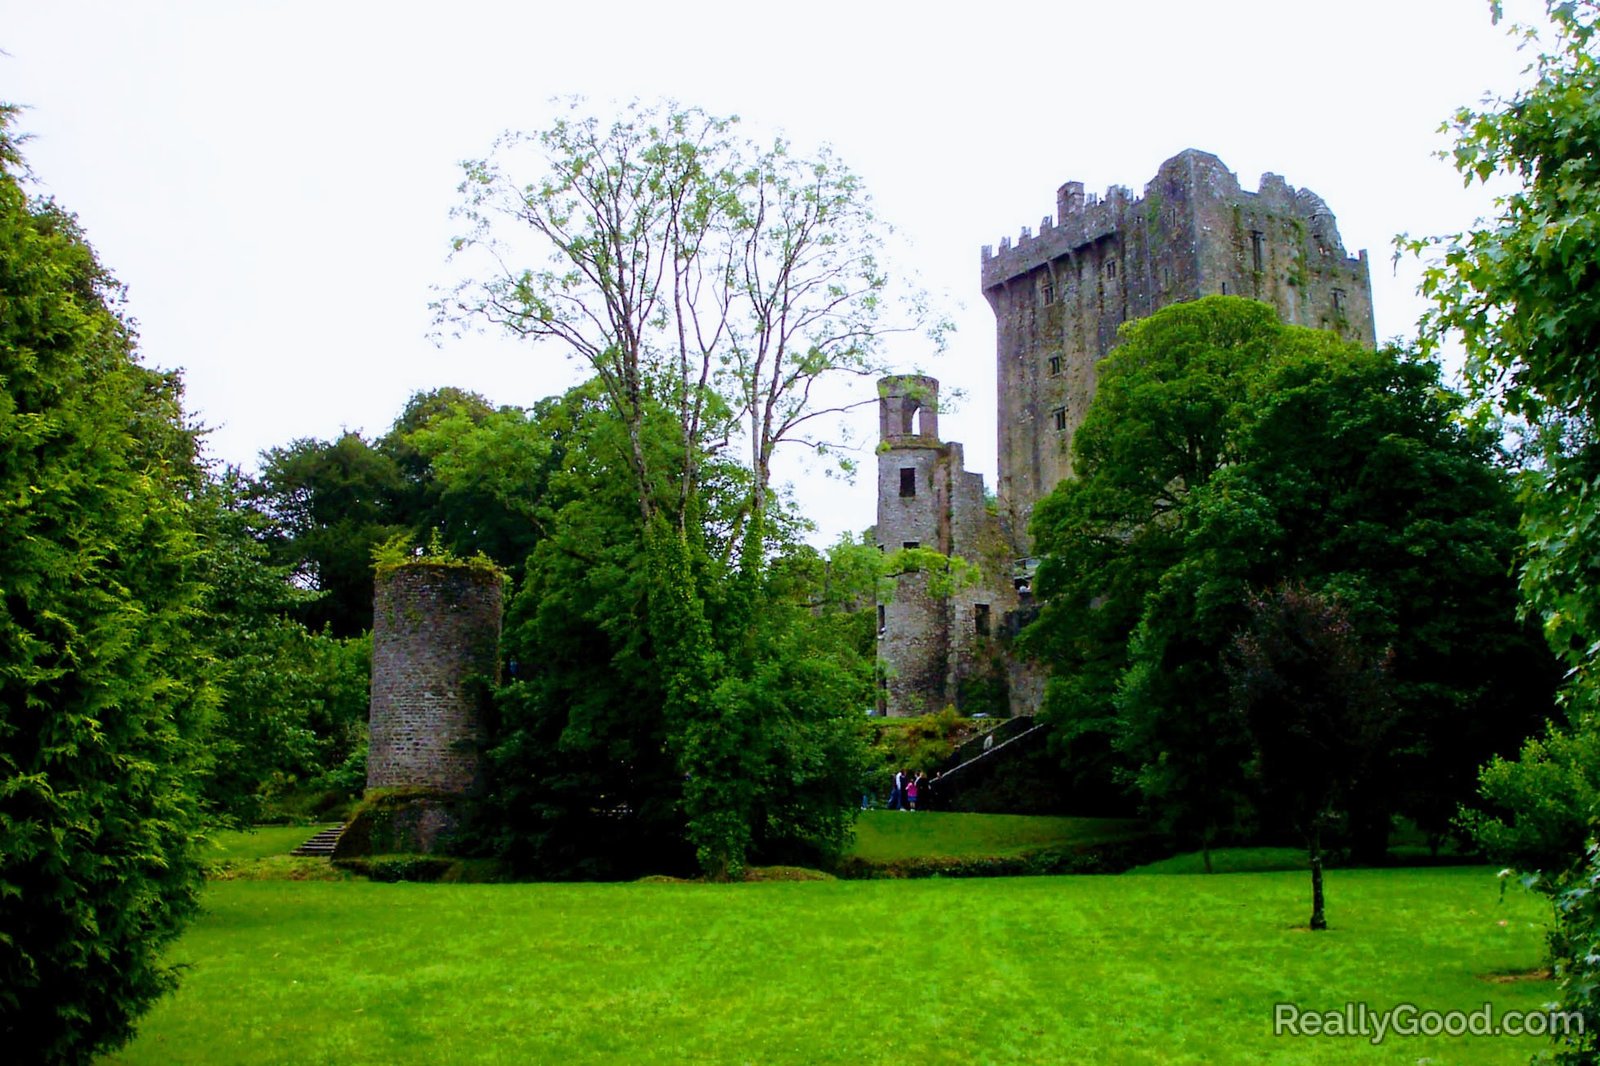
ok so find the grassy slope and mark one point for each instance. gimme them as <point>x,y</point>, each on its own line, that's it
<point>884,836</point>
<point>259,843</point>
<point>1131,969</point>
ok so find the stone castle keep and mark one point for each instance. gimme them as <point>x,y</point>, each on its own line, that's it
<point>1059,299</point>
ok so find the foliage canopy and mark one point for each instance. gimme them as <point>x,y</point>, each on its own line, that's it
<point>1224,454</point>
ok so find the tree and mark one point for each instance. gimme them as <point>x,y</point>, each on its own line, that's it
<point>587,775</point>
<point>1521,291</point>
<point>1360,478</point>
<point>482,477</point>
<point>102,680</point>
<point>1159,427</point>
<point>291,704</point>
<point>725,282</point>
<point>1315,704</point>
<point>330,503</point>
<point>1229,453</point>
<point>714,284</point>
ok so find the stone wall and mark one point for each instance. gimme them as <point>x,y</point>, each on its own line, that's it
<point>435,641</point>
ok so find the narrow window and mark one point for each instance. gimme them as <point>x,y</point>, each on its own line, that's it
<point>980,618</point>
<point>1258,249</point>
<point>908,481</point>
<point>1224,288</point>
<point>1060,414</point>
<point>1338,301</point>
<point>1111,269</point>
<point>1048,291</point>
<point>1055,365</point>
<point>883,621</point>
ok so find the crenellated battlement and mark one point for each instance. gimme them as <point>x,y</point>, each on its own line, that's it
<point>1061,295</point>
<point>1083,219</point>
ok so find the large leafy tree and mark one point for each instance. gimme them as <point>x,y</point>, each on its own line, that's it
<point>1522,290</point>
<point>1316,707</point>
<point>329,503</point>
<point>1161,425</point>
<point>1228,453</point>
<point>715,283</point>
<point>587,779</point>
<point>102,694</point>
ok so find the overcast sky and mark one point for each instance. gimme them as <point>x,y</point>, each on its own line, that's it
<point>273,181</point>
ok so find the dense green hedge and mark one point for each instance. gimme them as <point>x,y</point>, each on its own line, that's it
<point>102,690</point>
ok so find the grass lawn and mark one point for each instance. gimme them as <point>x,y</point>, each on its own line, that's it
<point>262,854</point>
<point>885,836</point>
<point>1126,969</point>
<point>1231,861</point>
<point>261,842</point>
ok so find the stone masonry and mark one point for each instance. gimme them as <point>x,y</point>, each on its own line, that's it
<point>1059,298</point>
<point>435,637</point>
<point>938,650</point>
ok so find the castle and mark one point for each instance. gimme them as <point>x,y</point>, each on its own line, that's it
<point>1059,299</point>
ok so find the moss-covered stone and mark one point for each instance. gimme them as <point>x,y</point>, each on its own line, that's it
<point>403,821</point>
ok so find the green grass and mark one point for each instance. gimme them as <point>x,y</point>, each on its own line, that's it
<point>1230,861</point>
<point>888,836</point>
<point>1127,969</point>
<point>262,854</point>
<point>258,843</point>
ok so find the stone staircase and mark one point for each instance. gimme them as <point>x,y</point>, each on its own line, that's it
<point>985,743</point>
<point>321,846</point>
<point>967,779</point>
<point>990,745</point>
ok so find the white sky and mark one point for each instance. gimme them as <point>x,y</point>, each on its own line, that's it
<point>273,181</point>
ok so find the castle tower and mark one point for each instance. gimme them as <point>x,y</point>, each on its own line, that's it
<point>912,636</point>
<point>937,650</point>
<point>435,648</point>
<point>1060,297</point>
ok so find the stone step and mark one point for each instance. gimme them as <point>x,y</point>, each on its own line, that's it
<point>322,844</point>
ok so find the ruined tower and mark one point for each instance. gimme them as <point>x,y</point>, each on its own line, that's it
<point>435,652</point>
<point>435,641</point>
<point>1059,297</point>
<point>937,648</point>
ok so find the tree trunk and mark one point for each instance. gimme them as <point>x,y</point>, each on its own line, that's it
<point>1318,919</point>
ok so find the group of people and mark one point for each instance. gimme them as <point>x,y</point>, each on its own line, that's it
<point>907,790</point>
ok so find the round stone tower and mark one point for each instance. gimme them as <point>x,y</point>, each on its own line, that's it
<point>435,649</point>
